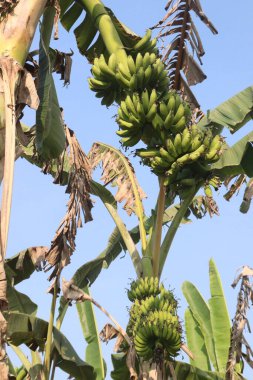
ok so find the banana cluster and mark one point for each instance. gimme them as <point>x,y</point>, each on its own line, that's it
<point>104,81</point>
<point>143,287</point>
<point>158,330</point>
<point>145,45</point>
<point>185,148</point>
<point>144,72</point>
<point>135,116</point>
<point>112,80</point>
<point>143,116</point>
<point>153,324</point>
<point>173,114</point>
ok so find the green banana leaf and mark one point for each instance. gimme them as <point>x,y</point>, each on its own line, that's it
<point>120,370</point>
<point>234,113</point>
<point>201,313</point>
<point>20,302</point>
<point>196,342</point>
<point>185,371</point>
<point>50,136</point>
<point>90,331</point>
<point>220,320</point>
<point>236,159</point>
<point>23,328</point>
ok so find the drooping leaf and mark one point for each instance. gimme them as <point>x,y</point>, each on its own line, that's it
<point>118,171</point>
<point>196,343</point>
<point>21,266</point>
<point>23,328</point>
<point>20,302</point>
<point>201,313</point>
<point>79,204</point>
<point>234,113</point>
<point>237,159</point>
<point>120,370</point>
<point>69,361</point>
<point>90,331</point>
<point>50,136</point>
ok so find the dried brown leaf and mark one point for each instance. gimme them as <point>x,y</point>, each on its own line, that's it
<point>192,70</point>
<point>196,7</point>
<point>63,244</point>
<point>235,187</point>
<point>117,171</point>
<point>240,321</point>
<point>108,332</point>
<point>190,98</point>
<point>27,93</point>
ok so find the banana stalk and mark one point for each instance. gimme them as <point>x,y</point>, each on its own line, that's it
<point>106,28</point>
<point>16,33</point>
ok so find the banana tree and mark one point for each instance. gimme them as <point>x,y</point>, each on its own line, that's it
<point>184,151</point>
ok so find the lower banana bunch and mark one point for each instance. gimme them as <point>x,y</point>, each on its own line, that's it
<point>183,149</point>
<point>154,325</point>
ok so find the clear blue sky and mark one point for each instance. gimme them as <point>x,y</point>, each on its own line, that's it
<point>38,205</point>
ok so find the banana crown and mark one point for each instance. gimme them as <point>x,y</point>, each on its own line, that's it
<point>154,324</point>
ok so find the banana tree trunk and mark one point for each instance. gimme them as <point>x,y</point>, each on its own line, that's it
<point>152,371</point>
<point>17,28</point>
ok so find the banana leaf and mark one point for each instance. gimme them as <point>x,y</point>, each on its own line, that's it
<point>220,320</point>
<point>120,370</point>
<point>234,113</point>
<point>50,136</point>
<point>21,266</point>
<point>23,328</point>
<point>196,342</point>
<point>201,313</point>
<point>89,42</point>
<point>20,302</point>
<point>185,371</point>
<point>90,331</point>
<point>236,159</point>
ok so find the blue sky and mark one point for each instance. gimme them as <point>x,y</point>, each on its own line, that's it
<point>38,205</point>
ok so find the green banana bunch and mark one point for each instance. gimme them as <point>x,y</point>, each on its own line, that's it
<point>135,114</point>
<point>215,149</point>
<point>153,323</point>
<point>143,287</point>
<point>159,329</point>
<point>104,81</point>
<point>174,113</point>
<point>145,45</point>
<point>144,72</point>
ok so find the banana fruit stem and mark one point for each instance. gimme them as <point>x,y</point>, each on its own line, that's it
<point>106,27</point>
<point>158,228</point>
<point>168,239</point>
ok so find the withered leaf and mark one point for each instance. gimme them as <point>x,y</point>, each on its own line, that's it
<point>63,243</point>
<point>118,171</point>
<point>73,293</point>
